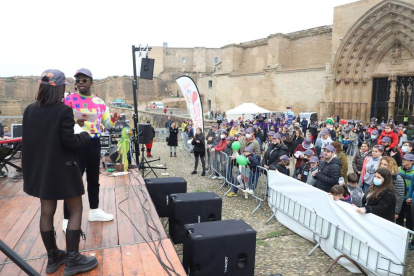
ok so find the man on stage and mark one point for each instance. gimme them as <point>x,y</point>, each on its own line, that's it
<point>85,102</point>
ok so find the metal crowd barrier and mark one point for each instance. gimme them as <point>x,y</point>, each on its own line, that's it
<point>186,146</point>
<point>361,253</point>
<point>353,249</point>
<point>320,227</point>
<point>240,177</point>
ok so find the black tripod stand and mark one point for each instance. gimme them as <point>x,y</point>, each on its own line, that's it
<point>144,163</point>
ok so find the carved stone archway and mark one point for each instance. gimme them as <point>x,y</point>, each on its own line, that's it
<point>379,30</point>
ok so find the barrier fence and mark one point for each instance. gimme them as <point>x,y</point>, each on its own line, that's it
<point>368,242</point>
<point>330,237</point>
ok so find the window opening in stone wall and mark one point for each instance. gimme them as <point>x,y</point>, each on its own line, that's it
<point>215,60</point>
<point>183,59</point>
<point>210,84</point>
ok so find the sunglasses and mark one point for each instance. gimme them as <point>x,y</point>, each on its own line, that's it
<point>83,80</point>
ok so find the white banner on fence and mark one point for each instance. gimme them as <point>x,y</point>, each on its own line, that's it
<point>385,237</point>
<point>192,97</point>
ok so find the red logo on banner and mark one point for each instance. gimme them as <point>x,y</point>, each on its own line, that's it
<point>195,96</point>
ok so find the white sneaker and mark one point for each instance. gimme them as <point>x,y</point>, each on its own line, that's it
<point>220,178</point>
<point>246,195</point>
<point>65,225</point>
<point>99,215</point>
<point>214,177</point>
<point>249,191</point>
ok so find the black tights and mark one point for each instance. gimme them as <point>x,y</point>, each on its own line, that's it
<point>48,209</point>
<point>203,161</point>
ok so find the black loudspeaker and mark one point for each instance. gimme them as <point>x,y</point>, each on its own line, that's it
<point>105,141</point>
<point>146,133</point>
<point>192,208</point>
<point>160,189</point>
<point>218,248</point>
<point>113,153</point>
<point>147,68</point>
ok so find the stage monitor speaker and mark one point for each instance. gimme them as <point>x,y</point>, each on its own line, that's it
<point>113,153</point>
<point>105,141</point>
<point>16,130</point>
<point>147,68</point>
<point>192,208</point>
<point>226,248</point>
<point>146,133</point>
<point>160,189</point>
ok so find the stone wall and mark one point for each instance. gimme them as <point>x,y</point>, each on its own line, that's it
<point>18,92</point>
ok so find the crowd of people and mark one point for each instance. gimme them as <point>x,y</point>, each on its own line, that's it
<point>379,182</point>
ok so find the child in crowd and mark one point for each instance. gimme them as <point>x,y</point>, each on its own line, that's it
<point>355,191</point>
<point>337,192</point>
<point>321,157</point>
<point>313,166</point>
<point>283,165</point>
<point>346,196</point>
<point>304,168</point>
<point>345,143</point>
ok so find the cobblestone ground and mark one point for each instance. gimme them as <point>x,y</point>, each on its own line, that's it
<point>278,250</point>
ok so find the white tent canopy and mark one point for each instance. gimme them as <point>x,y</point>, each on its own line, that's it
<point>245,111</point>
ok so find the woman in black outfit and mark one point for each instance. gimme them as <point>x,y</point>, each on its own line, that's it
<point>199,150</point>
<point>173,140</point>
<point>380,198</point>
<point>56,176</point>
<point>297,139</point>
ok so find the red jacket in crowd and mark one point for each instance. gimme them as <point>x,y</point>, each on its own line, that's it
<point>221,145</point>
<point>393,135</point>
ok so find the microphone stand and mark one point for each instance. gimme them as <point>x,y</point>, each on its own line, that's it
<point>144,163</point>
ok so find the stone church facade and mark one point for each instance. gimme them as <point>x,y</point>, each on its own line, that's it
<point>361,66</point>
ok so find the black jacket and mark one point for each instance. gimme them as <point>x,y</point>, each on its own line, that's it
<point>49,160</point>
<point>199,147</point>
<point>273,153</point>
<point>295,142</point>
<point>383,206</point>
<point>328,174</point>
<point>212,135</point>
<point>173,139</point>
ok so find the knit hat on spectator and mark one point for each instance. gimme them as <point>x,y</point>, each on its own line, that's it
<point>306,143</point>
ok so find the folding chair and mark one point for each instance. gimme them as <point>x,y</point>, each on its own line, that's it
<point>7,154</point>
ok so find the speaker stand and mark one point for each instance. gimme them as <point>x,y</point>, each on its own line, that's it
<point>145,164</point>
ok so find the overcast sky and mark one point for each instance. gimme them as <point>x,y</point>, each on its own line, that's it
<point>68,35</point>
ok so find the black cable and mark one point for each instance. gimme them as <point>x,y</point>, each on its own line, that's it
<point>156,230</point>
<point>156,248</point>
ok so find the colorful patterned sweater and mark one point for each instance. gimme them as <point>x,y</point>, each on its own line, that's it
<point>407,175</point>
<point>91,104</point>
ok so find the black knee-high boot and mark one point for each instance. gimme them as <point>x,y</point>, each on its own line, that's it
<point>203,163</point>
<point>195,165</point>
<point>77,262</point>
<point>55,257</point>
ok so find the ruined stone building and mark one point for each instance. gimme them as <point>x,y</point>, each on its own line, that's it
<point>359,67</point>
